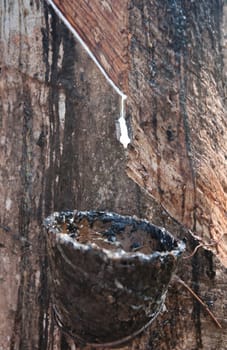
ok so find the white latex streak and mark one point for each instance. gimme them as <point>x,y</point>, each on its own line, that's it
<point>124,138</point>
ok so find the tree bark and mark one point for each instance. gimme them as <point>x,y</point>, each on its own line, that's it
<point>59,151</point>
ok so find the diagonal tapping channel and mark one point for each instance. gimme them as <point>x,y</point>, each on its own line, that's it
<point>124,135</point>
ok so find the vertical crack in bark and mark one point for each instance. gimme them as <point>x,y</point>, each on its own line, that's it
<point>183,109</point>
<point>65,195</point>
<point>54,155</point>
<point>45,322</point>
<point>45,41</point>
<point>23,320</point>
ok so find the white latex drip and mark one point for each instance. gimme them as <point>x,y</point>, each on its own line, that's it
<point>124,138</point>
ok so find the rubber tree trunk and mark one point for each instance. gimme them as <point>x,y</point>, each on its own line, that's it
<point>59,150</point>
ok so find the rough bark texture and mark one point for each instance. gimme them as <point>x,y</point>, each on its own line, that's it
<point>177,104</point>
<point>59,150</point>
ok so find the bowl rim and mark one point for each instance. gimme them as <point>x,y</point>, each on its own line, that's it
<point>67,240</point>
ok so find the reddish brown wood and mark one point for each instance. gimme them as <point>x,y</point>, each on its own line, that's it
<point>102,24</point>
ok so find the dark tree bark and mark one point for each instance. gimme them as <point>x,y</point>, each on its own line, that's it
<point>59,151</point>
